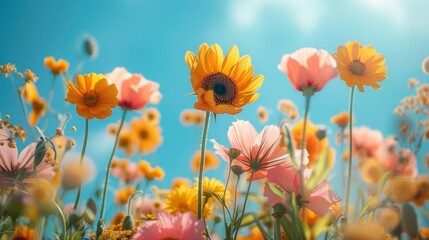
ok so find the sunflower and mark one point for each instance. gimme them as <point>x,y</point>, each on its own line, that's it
<point>147,134</point>
<point>360,65</point>
<point>223,85</point>
<point>185,199</point>
<point>93,96</point>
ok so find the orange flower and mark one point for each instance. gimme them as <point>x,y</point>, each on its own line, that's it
<point>24,233</point>
<point>422,185</point>
<point>211,161</point>
<point>314,144</point>
<point>147,135</point>
<point>148,172</point>
<point>341,120</point>
<point>56,67</point>
<point>93,96</point>
<point>38,104</point>
<point>122,195</point>
<point>177,182</point>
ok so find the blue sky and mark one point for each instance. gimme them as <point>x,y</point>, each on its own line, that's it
<point>151,37</point>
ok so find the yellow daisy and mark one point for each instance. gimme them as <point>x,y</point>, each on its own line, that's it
<point>212,185</point>
<point>360,65</point>
<point>223,85</point>
<point>185,199</point>
<point>147,134</point>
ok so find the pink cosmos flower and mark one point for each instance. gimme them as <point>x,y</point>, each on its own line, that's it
<point>259,152</point>
<point>318,200</point>
<point>126,172</point>
<point>404,160</point>
<point>134,91</point>
<point>183,226</point>
<point>366,141</point>
<point>19,170</point>
<point>308,67</point>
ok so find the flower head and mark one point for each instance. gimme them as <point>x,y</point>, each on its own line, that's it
<point>134,91</point>
<point>93,96</point>
<point>185,199</point>
<point>147,135</point>
<point>288,108</point>
<point>262,114</point>
<point>38,104</point>
<point>192,117</point>
<point>319,200</point>
<point>364,230</point>
<point>179,227</point>
<point>366,141</point>
<point>425,65</point>
<point>19,170</point>
<point>222,85</point>
<point>341,120</point>
<point>360,65</point>
<point>56,67</point>
<point>211,161</point>
<point>7,69</point>
<point>259,152</point>
<point>309,68</point>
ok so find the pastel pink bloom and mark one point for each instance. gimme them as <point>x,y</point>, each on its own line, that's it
<point>404,160</point>
<point>127,172</point>
<point>308,67</point>
<point>12,166</point>
<point>134,91</point>
<point>318,200</point>
<point>183,226</point>
<point>366,140</point>
<point>143,205</point>
<point>259,152</point>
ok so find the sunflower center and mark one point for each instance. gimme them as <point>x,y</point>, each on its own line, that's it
<point>357,67</point>
<point>143,134</point>
<point>224,89</point>
<point>90,98</point>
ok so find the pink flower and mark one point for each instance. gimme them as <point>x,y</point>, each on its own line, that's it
<point>13,166</point>
<point>388,155</point>
<point>143,205</point>
<point>259,152</point>
<point>308,67</point>
<point>180,227</point>
<point>134,91</point>
<point>366,141</point>
<point>318,200</point>
<point>125,171</point>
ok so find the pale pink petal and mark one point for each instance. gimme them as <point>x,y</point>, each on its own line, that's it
<point>8,158</point>
<point>222,151</point>
<point>241,135</point>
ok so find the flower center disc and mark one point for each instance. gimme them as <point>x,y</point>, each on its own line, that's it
<point>143,134</point>
<point>357,67</point>
<point>223,88</point>
<point>90,98</point>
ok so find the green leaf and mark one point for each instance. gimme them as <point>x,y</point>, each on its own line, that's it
<point>90,212</point>
<point>409,221</point>
<point>290,146</point>
<point>320,168</point>
<point>40,153</point>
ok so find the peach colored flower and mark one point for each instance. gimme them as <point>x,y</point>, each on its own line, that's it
<point>134,91</point>
<point>308,67</point>
<point>180,227</point>
<point>366,141</point>
<point>259,152</point>
<point>318,200</point>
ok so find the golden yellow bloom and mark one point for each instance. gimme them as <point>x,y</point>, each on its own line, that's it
<point>24,233</point>
<point>56,67</point>
<point>222,85</point>
<point>401,189</point>
<point>122,195</point>
<point>288,108</point>
<point>155,173</point>
<point>191,117</point>
<point>360,65</point>
<point>113,232</point>
<point>38,104</point>
<point>314,145</point>
<point>93,96</point>
<point>147,134</point>
<point>211,161</point>
<point>422,185</point>
<point>212,185</point>
<point>152,115</point>
<point>364,230</point>
<point>341,120</point>
<point>118,218</point>
<point>388,218</point>
<point>30,76</point>
<point>8,68</point>
<point>126,141</point>
<point>262,114</point>
<point>185,199</point>
<point>371,170</point>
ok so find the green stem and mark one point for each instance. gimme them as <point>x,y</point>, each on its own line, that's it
<point>63,220</point>
<point>202,162</point>
<point>303,143</point>
<point>277,232</point>
<point>224,194</point>
<point>341,159</point>
<point>106,180</point>
<point>244,206</point>
<point>51,95</point>
<point>82,155</point>
<point>349,169</point>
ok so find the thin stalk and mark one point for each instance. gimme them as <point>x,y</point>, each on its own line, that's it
<point>244,205</point>
<point>106,180</point>
<point>349,170</point>
<point>63,220</point>
<point>50,96</point>
<point>277,231</point>
<point>202,162</point>
<point>224,194</point>
<point>303,143</point>
<point>341,158</point>
<point>82,155</point>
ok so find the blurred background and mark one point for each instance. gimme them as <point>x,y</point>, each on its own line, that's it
<point>151,38</point>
